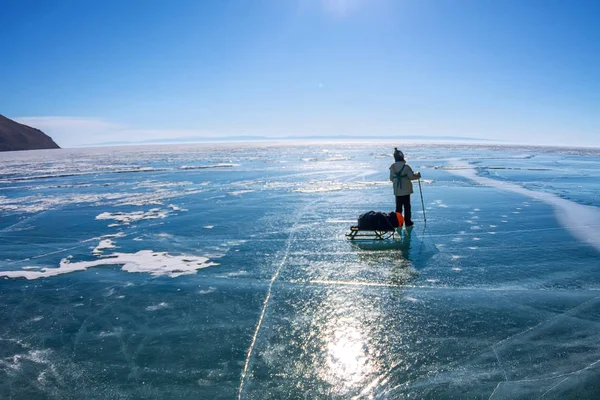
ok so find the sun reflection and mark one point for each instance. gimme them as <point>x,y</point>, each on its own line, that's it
<point>348,362</point>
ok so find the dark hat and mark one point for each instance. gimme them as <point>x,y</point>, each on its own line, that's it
<point>398,155</point>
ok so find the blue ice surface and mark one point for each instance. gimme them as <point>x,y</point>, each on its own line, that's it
<point>491,298</point>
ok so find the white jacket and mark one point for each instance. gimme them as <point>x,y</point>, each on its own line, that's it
<point>402,186</point>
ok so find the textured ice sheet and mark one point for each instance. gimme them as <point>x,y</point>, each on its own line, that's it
<point>493,298</point>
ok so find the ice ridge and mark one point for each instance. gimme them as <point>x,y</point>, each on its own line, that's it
<point>582,221</point>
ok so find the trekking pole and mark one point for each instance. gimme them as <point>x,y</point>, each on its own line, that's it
<point>422,203</point>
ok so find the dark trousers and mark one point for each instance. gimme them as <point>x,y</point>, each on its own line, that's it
<point>404,201</point>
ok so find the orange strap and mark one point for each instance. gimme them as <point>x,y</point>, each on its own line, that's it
<point>400,219</point>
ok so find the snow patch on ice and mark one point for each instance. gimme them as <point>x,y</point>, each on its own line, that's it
<point>439,203</point>
<point>158,306</point>
<point>331,186</point>
<point>115,332</point>
<point>176,208</point>
<point>16,362</point>
<point>209,166</point>
<point>144,261</point>
<point>134,216</point>
<point>210,289</point>
<point>236,273</point>
<point>152,184</point>
<point>103,245</point>
<point>240,192</point>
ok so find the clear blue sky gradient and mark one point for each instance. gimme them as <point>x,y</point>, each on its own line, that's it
<point>516,70</point>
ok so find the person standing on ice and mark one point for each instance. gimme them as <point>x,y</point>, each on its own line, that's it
<point>401,174</point>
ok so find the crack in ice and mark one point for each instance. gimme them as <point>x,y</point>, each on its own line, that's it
<point>263,312</point>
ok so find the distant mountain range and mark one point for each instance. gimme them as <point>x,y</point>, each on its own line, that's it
<point>16,136</point>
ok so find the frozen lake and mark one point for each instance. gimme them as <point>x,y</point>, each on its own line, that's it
<point>221,271</point>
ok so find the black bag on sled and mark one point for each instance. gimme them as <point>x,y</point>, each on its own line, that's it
<point>378,221</point>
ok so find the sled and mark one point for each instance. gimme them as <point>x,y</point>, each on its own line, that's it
<point>368,234</point>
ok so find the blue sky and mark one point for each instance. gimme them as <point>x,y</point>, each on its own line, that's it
<point>89,72</point>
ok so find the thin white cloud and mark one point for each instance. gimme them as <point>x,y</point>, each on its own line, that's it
<point>80,131</point>
<point>66,122</point>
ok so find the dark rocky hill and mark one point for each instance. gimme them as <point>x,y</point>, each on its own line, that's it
<point>16,136</point>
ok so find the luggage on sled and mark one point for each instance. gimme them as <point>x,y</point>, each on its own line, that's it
<point>374,225</point>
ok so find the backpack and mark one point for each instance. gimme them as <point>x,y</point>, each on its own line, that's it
<point>378,221</point>
<point>399,177</point>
